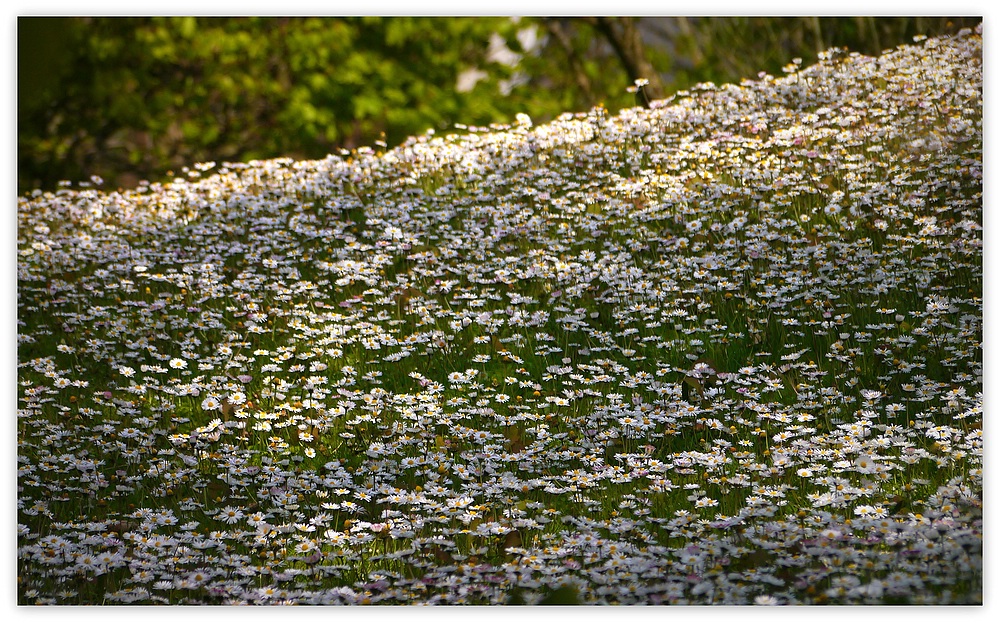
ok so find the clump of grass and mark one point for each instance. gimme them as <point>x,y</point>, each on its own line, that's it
<point>725,350</point>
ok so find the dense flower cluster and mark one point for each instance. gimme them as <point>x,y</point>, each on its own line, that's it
<point>725,350</point>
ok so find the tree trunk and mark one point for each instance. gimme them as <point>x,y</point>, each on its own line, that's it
<point>555,26</point>
<point>623,35</point>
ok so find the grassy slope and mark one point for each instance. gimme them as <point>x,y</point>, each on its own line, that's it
<point>723,350</point>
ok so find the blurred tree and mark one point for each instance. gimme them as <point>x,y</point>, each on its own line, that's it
<point>726,49</point>
<point>142,96</point>
<point>138,98</point>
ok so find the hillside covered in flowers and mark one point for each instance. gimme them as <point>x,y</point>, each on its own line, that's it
<point>723,350</point>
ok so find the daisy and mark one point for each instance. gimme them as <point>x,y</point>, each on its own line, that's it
<point>230,515</point>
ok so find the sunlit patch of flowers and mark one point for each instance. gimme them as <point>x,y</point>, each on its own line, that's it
<point>725,350</point>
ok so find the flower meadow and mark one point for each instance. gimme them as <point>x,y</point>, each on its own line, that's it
<point>723,350</point>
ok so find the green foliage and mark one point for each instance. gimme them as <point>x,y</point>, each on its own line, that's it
<point>140,98</point>
<point>146,95</point>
